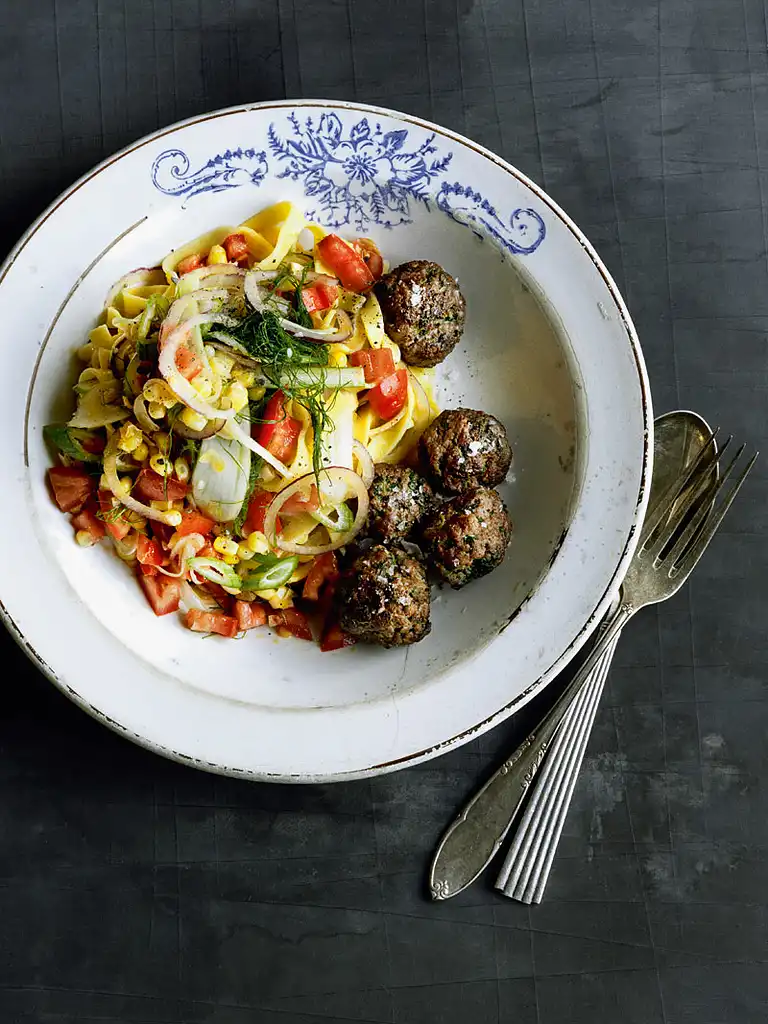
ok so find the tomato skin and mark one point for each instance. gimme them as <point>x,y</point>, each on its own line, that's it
<point>390,395</point>
<point>189,263</point>
<point>116,526</point>
<point>296,503</point>
<point>88,520</point>
<point>236,247</point>
<point>347,264</point>
<point>293,620</point>
<point>319,295</point>
<point>377,363</point>
<point>149,551</point>
<point>194,522</point>
<point>257,511</point>
<point>250,614</point>
<point>71,487</point>
<point>334,638</point>
<point>325,569</point>
<point>369,251</point>
<point>280,435</point>
<point>162,592</point>
<point>153,487</point>
<point>187,362</point>
<point>211,622</point>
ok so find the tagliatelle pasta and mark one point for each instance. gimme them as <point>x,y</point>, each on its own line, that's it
<point>237,395</point>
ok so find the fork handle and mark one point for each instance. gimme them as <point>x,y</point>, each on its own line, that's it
<point>475,837</point>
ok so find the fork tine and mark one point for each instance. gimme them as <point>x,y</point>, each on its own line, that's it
<point>699,546</point>
<point>680,508</point>
<point>708,454</point>
<point>674,553</point>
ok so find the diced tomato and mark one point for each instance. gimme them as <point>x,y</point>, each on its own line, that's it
<point>149,550</point>
<point>236,248</point>
<point>162,592</point>
<point>250,614</point>
<point>94,444</point>
<point>162,531</point>
<point>390,395</point>
<point>115,522</point>
<point>192,262</point>
<point>71,487</point>
<point>334,638</point>
<point>153,487</point>
<point>188,363</point>
<point>280,434</point>
<point>370,253</point>
<point>211,622</point>
<point>88,520</point>
<point>293,620</point>
<point>324,569</point>
<point>320,295</point>
<point>194,522</point>
<point>296,503</point>
<point>348,265</point>
<point>377,363</point>
<point>257,511</point>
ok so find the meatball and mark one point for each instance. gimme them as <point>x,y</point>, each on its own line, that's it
<point>467,537</point>
<point>423,311</point>
<point>383,598</point>
<point>399,498</point>
<point>465,448</point>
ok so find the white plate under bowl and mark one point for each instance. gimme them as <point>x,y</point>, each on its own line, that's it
<point>548,348</point>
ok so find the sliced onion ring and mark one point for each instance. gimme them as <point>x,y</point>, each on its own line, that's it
<point>110,472</point>
<point>144,419</point>
<point>363,456</point>
<point>178,384</point>
<point>180,428</point>
<point>336,475</point>
<point>135,279</point>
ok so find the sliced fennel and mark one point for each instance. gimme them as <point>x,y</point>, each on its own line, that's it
<point>221,475</point>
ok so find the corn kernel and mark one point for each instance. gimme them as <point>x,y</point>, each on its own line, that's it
<point>162,506</point>
<point>158,391</point>
<point>141,453</point>
<point>257,393</point>
<point>129,437</point>
<point>237,395</point>
<point>257,542</point>
<point>202,386</point>
<point>245,377</point>
<point>225,546</point>
<point>230,559</point>
<point>181,470</point>
<point>125,485</point>
<point>163,440</point>
<point>161,465</point>
<point>280,598</point>
<point>155,410</point>
<point>173,519</point>
<point>244,552</point>
<point>85,539</point>
<point>222,364</point>
<point>216,254</point>
<point>193,420</point>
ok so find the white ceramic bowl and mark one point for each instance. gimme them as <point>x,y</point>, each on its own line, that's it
<point>548,348</point>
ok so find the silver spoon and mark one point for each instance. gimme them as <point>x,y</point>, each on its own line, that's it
<point>676,532</point>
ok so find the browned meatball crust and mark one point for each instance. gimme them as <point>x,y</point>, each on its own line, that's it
<point>383,598</point>
<point>465,448</point>
<point>424,311</point>
<point>399,499</point>
<point>467,537</point>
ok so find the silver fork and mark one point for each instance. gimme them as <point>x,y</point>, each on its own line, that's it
<point>674,537</point>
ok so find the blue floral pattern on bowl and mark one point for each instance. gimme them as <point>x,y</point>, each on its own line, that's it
<point>230,169</point>
<point>360,175</point>
<point>357,176</point>
<point>522,236</point>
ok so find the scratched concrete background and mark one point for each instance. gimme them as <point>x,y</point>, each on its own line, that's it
<point>134,890</point>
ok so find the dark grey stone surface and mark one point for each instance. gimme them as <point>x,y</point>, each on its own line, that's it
<point>134,890</point>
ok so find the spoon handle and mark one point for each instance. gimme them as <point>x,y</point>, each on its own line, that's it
<point>475,837</point>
